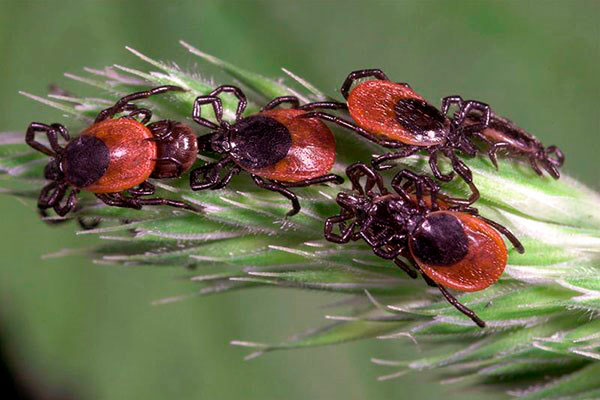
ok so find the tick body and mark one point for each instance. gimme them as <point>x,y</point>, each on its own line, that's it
<point>395,116</point>
<point>110,156</point>
<point>277,147</point>
<point>398,113</point>
<point>114,157</point>
<point>450,247</point>
<point>502,134</point>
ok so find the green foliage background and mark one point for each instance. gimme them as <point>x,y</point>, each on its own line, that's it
<point>90,331</point>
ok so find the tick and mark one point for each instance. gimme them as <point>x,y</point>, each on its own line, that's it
<point>504,135</point>
<point>451,248</point>
<point>395,116</point>
<point>114,157</point>
<point>277,148</point>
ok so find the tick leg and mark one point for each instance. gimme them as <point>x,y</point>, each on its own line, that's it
<point>465,173</point>
<point>470,105</point>
<point>360,74</point>
<point>52,134</point>
<point>385,253</point>
<point>217,106</point>
<point>144,112</point>
<point>534,165</point>
<point>292,100</point>
<point>402,153</point>
<point>349,125</point>
<point>159,201</point>
<point>328,105</point>
<point>449,101</point>
<point>63,209</point>
<point>174,161</point>
<point>357,171</point>
<point>493,150</point>
<point>237,92</point>
<point>118,200</point>
<point>121,104</point>
<point>204,142</point>
<point>333,178</point>
<point>503,230</point>
<point>551,168</point>
<point>419,181</point>
<point>209,172</point>
<point>406,268</point>
<point>435,169</point>
<point>227,178</point>
<point>467,146</point>
<point>345,234</point>
<point>51,194</point>
<point>560,157</point>
<point>276,187</point>
<point>65,133</point>
<point>143,189</point>
<point>461,307</point>
<point>452,300</point>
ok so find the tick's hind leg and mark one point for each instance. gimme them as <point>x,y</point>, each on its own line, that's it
<point>435,169</point>
<point>402,153</point>
<point>276,187</point>
<point>504,230</point>
<point>406,268</point>
<point>551,169</point>
<point>329,178</point>
<point>493,150</point>
<point>118,200</point>
<point>328,105</point>
<point>143,189</point>
<point>559,158</point>
<point>148,189</point>
<point>461,307</point>
<point>533,161</point>
<point>159,201</point>
<point>452,300</point>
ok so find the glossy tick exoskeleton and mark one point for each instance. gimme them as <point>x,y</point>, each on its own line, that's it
<point>114,157</point>
<point>454,248</point>
<point>395,116</point>
<point>278,149</point>
<point>502,134</point>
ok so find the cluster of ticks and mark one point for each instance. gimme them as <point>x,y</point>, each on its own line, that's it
<point>424,232</point>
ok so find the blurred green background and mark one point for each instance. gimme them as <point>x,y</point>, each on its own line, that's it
<point>72,329</point>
